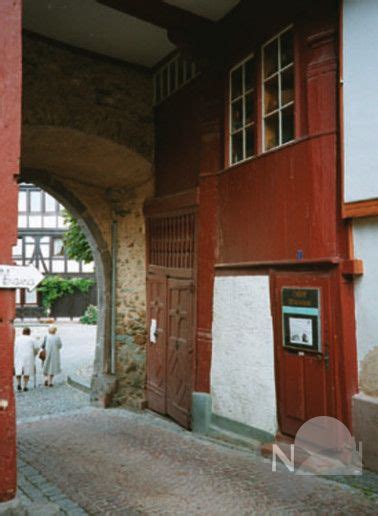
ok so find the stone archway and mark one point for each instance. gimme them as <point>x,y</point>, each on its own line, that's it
<point>103,381</point>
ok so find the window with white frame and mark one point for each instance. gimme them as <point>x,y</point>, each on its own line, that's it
<point>242,111</point>
<point>172,76</point>
<point>278,90</point>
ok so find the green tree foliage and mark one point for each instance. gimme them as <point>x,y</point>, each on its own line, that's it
<point>54,287</point>
<point>75,244</point>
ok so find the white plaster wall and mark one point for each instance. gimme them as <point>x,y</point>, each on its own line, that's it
<point>242,370</point>
<point>365,232</point>
<point>360,93</point>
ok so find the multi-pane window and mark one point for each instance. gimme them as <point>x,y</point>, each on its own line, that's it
<point>242,111</point>
<point>37,209</point>
<point>278,90</point>
<point>172,76</point>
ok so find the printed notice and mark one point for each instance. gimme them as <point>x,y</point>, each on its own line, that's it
<point>300,331</point>
<point>153,331</point>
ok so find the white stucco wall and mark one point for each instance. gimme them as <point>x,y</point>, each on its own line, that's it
<point>242,371</point>
<point>365,232</point>
<point>360,92</point>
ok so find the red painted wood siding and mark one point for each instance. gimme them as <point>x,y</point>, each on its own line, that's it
<point>10,120</point>
<point>280,202</point>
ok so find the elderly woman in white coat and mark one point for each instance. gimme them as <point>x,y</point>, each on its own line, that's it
<point>25,350</point>
<point>52,346</point>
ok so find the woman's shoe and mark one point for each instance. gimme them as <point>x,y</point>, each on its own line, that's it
<point>51,385</point>
<point>26,389</point>
<point>46,383</point>
<point>19,388</point>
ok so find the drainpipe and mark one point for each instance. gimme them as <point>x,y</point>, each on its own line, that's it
<point>113,298</point>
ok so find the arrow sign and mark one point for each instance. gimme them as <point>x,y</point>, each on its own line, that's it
<point>19,276</point>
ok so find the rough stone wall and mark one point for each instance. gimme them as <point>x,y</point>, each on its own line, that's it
<point>131,296</point>
<point>68,88</point>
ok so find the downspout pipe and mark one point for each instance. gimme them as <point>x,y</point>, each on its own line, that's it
<point>113,296</point>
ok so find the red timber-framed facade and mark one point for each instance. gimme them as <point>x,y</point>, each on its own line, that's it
<point>249,262</point>
<point>269,220</point>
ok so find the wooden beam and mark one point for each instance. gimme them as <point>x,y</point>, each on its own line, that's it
<point>161,14</point>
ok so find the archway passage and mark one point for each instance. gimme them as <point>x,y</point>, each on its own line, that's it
<point>50,240</point>
<point>101,256</point>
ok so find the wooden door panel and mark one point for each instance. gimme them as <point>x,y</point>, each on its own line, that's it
<point>294,382</point>
<point>304,378</point>
<point>156,351</point>
<point>179,350</point>
<point>315,388</point>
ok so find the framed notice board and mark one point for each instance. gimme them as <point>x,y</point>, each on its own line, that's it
<point>301,319</point>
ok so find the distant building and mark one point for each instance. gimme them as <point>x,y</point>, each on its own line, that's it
<point>40,241</point>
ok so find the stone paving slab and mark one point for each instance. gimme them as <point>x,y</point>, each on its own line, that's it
<point>121,462</point>
<point>39,497</point>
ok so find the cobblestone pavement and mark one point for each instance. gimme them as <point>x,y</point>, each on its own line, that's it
<point>44,401</point>
<point>121,462</point>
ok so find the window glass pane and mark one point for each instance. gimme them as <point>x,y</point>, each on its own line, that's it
<point>157,87</point>
<point>35,221</point>
<point>237,147</point>
<point>271,94</point>
<point>287,86</point>
<point>287,124</point>
<point>22,201</point>
<point>72,266</point>
<point>58,246</point>
<point>35,201</point>
<point>61,223</point>
<point>249,108</point>
<point>287,48</point>
<point>18,296</point>
<point>50,203</point>
<point>22,221</point>
<point>29,247</point>
<point>57,265</point>
<point>188,70</point>
<point>249,74</point>
<point>237,114</point>
<point>236,82</point>
<point>45,247</point>
<point>49,221</point>
<point>165,82</point>
<point>181,72</point>
<point>31,297</point>
<point>249,141</point>
<point>271,58</point>
<point>271,132</point>
<point>172,76</point>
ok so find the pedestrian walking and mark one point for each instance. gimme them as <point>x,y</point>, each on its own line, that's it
<point>25,350</point>
<point>52,346</point>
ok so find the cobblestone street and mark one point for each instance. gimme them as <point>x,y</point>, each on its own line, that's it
<point>87,460</point>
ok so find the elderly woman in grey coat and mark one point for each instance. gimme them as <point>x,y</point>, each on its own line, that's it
<point>52,346</point>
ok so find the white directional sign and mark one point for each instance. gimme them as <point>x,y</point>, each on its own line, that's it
<point>18,276</point>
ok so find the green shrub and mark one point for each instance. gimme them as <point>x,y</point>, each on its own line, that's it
<point>90,316</point>
<point>54,287</point>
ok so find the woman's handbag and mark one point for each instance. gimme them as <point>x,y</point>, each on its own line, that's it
<point>42,353</point>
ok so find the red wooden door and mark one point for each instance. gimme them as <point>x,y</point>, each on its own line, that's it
<point>156,351</point>
<point>304,375</point>
<point>180,350</point>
